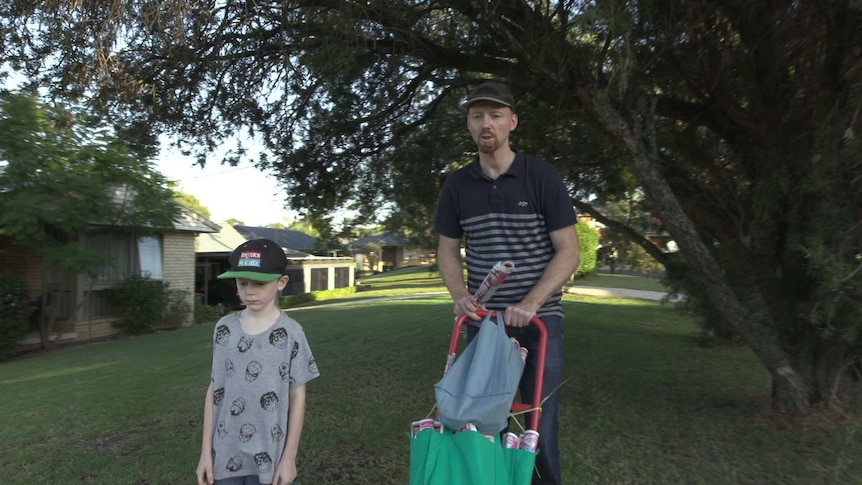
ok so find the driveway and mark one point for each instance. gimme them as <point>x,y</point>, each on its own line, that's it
<point>619,293</point>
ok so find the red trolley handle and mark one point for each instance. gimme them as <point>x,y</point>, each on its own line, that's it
<point>540,364</point>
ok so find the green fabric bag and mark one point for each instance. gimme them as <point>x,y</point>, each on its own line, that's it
<point>466,458</point>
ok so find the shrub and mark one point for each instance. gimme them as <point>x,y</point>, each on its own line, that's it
<point>15,310</point>
<point>640,260</point>
<point>142,303</point>
<point>205,314</point>
<point>588,243</point>
<point>292,300</point>
<point>177,307</point>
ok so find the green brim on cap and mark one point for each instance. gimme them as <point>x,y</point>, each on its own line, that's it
<point>249,275</point>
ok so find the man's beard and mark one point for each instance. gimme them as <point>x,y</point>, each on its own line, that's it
<point>488,146</point>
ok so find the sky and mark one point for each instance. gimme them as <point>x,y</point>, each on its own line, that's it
<point>242,192</point>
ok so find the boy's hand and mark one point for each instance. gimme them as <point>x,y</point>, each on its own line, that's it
<point>205,469</point>
<point>285,473</point>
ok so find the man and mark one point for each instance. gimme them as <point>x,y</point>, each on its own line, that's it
<point>512,207</point>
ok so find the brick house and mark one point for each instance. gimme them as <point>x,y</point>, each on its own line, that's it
<point>396,252</point>
<point>84,310</point>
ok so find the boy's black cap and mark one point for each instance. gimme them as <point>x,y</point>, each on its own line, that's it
<point>490,91</point>
<point>258,259</point>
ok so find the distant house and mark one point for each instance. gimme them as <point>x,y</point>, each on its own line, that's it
<point>394,249</point>
<point>306,271</point>
<point>84,310</point>
<point>286,238</point>
<point>211,259</point>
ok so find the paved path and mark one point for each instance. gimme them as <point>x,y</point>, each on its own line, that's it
<point>371,300</point>
<point>619,292</point>
<point>581,290</point>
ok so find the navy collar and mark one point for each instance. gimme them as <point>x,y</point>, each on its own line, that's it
<point>515,169</point>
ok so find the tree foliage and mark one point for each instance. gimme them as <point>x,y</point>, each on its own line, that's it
<point>303,225</point>
<point>588,243</point>
<point>739,121</point>
<point>640,260</point>
<point>64,172</point>
<point>191,202</point>
<point>234,222</point>
<point>627,220</point>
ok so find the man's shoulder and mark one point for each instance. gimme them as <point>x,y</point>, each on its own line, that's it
<point>535,162</point>
<point>467,170</point>
<point>539,169</point>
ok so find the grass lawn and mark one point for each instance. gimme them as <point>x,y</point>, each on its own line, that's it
<point>412,278</point>
<point>403,281</point>
<point>629,282</point>
<point>416,279</point>
<point>643,404</point>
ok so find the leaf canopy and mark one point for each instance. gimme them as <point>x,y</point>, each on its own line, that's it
<point>738,120</point>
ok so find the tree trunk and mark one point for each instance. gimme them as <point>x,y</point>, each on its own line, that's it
<point>791,391</point>
<point>833,369</point>
<point>48,319</point>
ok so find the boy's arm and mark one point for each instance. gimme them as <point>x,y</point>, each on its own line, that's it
<point>286,471</point>
<point>205,464</point>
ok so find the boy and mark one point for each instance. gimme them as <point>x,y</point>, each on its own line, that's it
<point>255,404</point>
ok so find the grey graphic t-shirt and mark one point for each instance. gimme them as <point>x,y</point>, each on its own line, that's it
<point>252,376</point>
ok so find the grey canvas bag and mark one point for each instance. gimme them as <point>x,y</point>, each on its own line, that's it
<point>481,384</point>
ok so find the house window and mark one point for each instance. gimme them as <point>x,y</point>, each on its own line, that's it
<point>342,277</point>
<point>319,279</point>
<point>128,255</point>
<point>150,257</point>
<point>117,247</point>
<point>295,282</point>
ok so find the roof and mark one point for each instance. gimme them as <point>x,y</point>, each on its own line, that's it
<point>188,220</point>
<point>383,239</point>
<point>286,238</point>
<point>224,242</point>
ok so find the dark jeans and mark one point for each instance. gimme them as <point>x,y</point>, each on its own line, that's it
<point>548,460</point>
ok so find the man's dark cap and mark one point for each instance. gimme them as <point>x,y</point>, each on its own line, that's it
<point>490,91</point>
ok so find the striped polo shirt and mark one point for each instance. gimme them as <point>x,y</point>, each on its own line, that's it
<point>507,219</point>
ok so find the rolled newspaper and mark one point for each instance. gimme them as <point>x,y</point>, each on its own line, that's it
<point>493,280</point>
